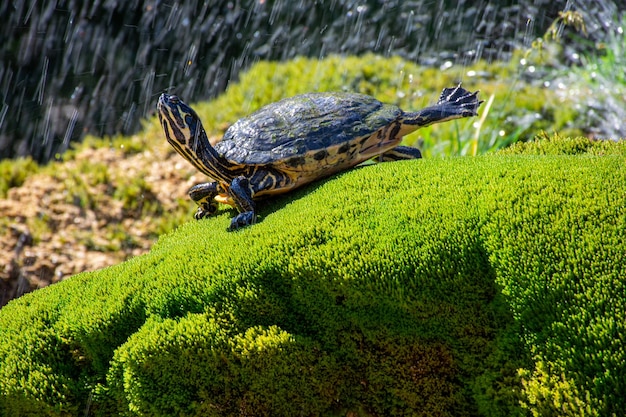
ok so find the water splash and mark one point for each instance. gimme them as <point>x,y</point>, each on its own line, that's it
<point>123,53</point>
<point>69,131</point>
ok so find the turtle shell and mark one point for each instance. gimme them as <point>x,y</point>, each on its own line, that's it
<point>304,125</point>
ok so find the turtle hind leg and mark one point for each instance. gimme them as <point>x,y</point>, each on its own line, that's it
<point>454,103</point>
<point>399,153</point>
<point>204,196</point>
<point>460,97</point>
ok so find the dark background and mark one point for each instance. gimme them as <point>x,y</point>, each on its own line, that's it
<point>68,68</point>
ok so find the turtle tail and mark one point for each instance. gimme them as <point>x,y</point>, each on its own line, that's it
<point>454,103</point>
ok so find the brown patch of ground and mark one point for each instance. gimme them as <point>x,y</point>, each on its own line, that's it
<point>70,218</point>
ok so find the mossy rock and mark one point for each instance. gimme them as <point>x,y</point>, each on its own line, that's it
<point>450,287</point>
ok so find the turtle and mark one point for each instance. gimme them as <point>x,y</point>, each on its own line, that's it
<point>295,141</point>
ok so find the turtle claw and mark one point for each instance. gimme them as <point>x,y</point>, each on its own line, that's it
<point>242,219</point>
<point>200,214</point>
<point>205,210</point>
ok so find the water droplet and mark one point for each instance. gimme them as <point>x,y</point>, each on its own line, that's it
<point>42,81</point>
<point>77,93</point>
<point>529,33</point>
<point>3,113</point>
<point>69,131</point>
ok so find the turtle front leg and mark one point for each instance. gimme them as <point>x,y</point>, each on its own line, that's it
<point>204,195</point>
<point>241,193</point>
<point>400,153</point>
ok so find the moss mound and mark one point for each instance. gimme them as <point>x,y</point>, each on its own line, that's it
<point>468,286</point>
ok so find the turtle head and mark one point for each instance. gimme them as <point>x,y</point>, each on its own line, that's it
<point>184,131</point>
<point>181,124</point>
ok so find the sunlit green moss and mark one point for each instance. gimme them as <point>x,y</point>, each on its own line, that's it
<point>557,144</point>
<point>13,173</point>
<point>463,286</point>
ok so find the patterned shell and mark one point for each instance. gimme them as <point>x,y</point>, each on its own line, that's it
<point>303,124</point>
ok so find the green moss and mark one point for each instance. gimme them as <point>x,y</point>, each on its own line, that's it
<point>79,192</point>
<point>137,198</point>
<point>468,286</point>
<point>128,145</point>
<point>557,144</point>
<point>95,173</point>
<point>39,226</point>
<point>13,173</point>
